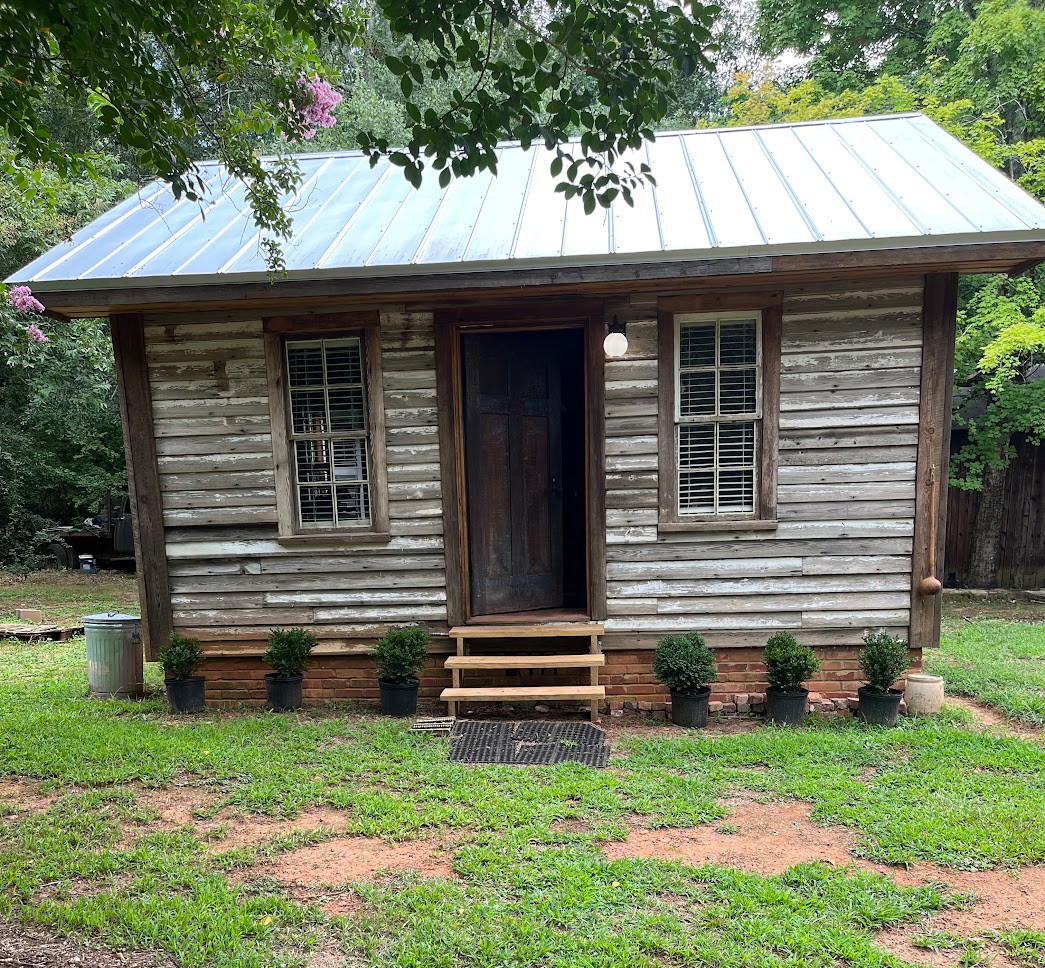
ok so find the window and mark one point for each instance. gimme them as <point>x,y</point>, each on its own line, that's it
<point>327,427</point>
<point>717,413</point>
<point>328,431</point>
<point>719,379</point>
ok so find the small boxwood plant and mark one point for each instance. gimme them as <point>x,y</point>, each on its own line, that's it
<point>884,659</point>
<point>290,651</point>
<point>789,664</point>
<point>684,663</point>
<point>180,656</point>
<point>401,654</point>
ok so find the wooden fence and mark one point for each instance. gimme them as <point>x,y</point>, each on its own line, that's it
<point>1023,530</point>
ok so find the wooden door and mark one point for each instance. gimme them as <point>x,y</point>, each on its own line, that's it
<point>513,471</point>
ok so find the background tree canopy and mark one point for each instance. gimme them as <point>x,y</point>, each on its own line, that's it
<point>231,79</point>
<point>124,92</point>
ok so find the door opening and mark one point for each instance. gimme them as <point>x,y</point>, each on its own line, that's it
<point>525,455</point>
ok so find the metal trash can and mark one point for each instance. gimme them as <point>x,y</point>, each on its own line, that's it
<point>114,655</point>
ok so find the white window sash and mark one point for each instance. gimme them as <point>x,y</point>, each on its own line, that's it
<point>717,419</point>
<point>329,437</point>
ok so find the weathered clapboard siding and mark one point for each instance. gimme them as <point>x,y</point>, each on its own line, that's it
<point>229,576</point>
<point>840,558</point>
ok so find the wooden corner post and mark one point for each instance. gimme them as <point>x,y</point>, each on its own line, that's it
<point>939,312</point>
<point>143,479</point>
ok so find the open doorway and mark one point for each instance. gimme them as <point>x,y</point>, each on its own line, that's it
<point>525,454</point>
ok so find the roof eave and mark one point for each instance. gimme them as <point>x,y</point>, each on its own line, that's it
<point>101,297</point>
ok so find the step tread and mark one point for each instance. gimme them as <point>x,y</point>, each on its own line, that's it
<point>524,692</point>
<point>540,631</point>
<point>524,661</point>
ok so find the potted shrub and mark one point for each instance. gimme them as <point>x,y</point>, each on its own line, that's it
<point>685,665</point>
<point>400,656</point>
<point>884,659</point>
<point>788,665</point>
<point>185,692</point>
<point>289,653</point>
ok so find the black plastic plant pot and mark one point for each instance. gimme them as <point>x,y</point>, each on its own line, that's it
<point>690,710</point>
<point>186,695</point>
<point>879,708</point>
<point>786,708</point>
<point>399,698</point>
<point>283,692</point>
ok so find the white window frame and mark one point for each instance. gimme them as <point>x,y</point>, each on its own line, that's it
<point>755,418</point>
<point>330,437</point>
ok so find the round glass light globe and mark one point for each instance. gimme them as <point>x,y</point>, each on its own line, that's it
<point>615,344</point>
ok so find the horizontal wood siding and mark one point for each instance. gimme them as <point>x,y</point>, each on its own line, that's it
<point>840,559</point>
<point>838,562</point>
<point>229,576</point>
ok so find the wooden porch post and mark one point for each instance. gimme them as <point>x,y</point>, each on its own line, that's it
<point>143,479</point>
<point>939,310</point>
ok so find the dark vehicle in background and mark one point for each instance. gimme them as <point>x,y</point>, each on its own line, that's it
<point>106,536</point>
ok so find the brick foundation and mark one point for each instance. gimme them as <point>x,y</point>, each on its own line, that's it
<point>627,677</point>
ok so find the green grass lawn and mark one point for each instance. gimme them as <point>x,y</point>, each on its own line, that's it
<point>531,886</point>
<point>990,658</point>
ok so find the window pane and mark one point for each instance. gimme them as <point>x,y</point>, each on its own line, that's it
<point>328,429</point>
<point>697,393</point>
<point>697,446</point>
<point>737,391</point>
<point>350,460</point>
<point>736,444</point>
<point>737,342</point>
<point>313,460</point>
<point>344,364</point>
<point>308,411</point>
<point>736,491</point>
<point>696,492</point>
<point>305,364</point>
<point>353,503</point>
<point>696,344</point>
<point>347,410</point>
<point>317,505</point>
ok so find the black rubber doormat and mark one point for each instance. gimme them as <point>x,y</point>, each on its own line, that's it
<point>528,743</point>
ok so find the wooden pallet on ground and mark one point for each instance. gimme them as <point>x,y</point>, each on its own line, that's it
<point>25,633</point>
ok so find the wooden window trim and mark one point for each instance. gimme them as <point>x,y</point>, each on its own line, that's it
<point>275,329</point>
<point>771,307</point>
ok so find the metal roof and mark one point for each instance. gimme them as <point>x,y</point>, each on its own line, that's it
<point>824,186</point>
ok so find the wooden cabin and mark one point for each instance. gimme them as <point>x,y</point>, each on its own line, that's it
<point>549,437</point>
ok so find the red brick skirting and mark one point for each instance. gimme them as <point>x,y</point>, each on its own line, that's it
<point>626,676</point>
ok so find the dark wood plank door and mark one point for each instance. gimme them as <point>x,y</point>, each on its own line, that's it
<point>513,471</point>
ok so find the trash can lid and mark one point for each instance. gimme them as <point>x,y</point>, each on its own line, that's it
<point>110,618</point>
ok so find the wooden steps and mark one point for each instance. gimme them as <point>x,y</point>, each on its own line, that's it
<point>553,630</point>
<point>524,692</point>
<point>591,660</point>
<point>524,661</point>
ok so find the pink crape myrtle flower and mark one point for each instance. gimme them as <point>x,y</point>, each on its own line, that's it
<point>318,109</point>
<point>36,335</point>
<point>22,299</point>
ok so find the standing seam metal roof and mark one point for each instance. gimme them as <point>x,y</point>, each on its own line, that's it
<point>861,183</point>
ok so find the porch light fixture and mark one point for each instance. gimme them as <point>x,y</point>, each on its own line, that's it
<point>616,342</point>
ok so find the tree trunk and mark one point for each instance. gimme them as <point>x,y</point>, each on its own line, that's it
<point>986,537</point>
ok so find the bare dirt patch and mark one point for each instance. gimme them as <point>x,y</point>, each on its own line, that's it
<point>992,718</point>
<point>772,837</point>
<point>347,859</point>
<point>769,839</point>
<point>225,829</point>
<point>22,946</point>
<point>24,794</point>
